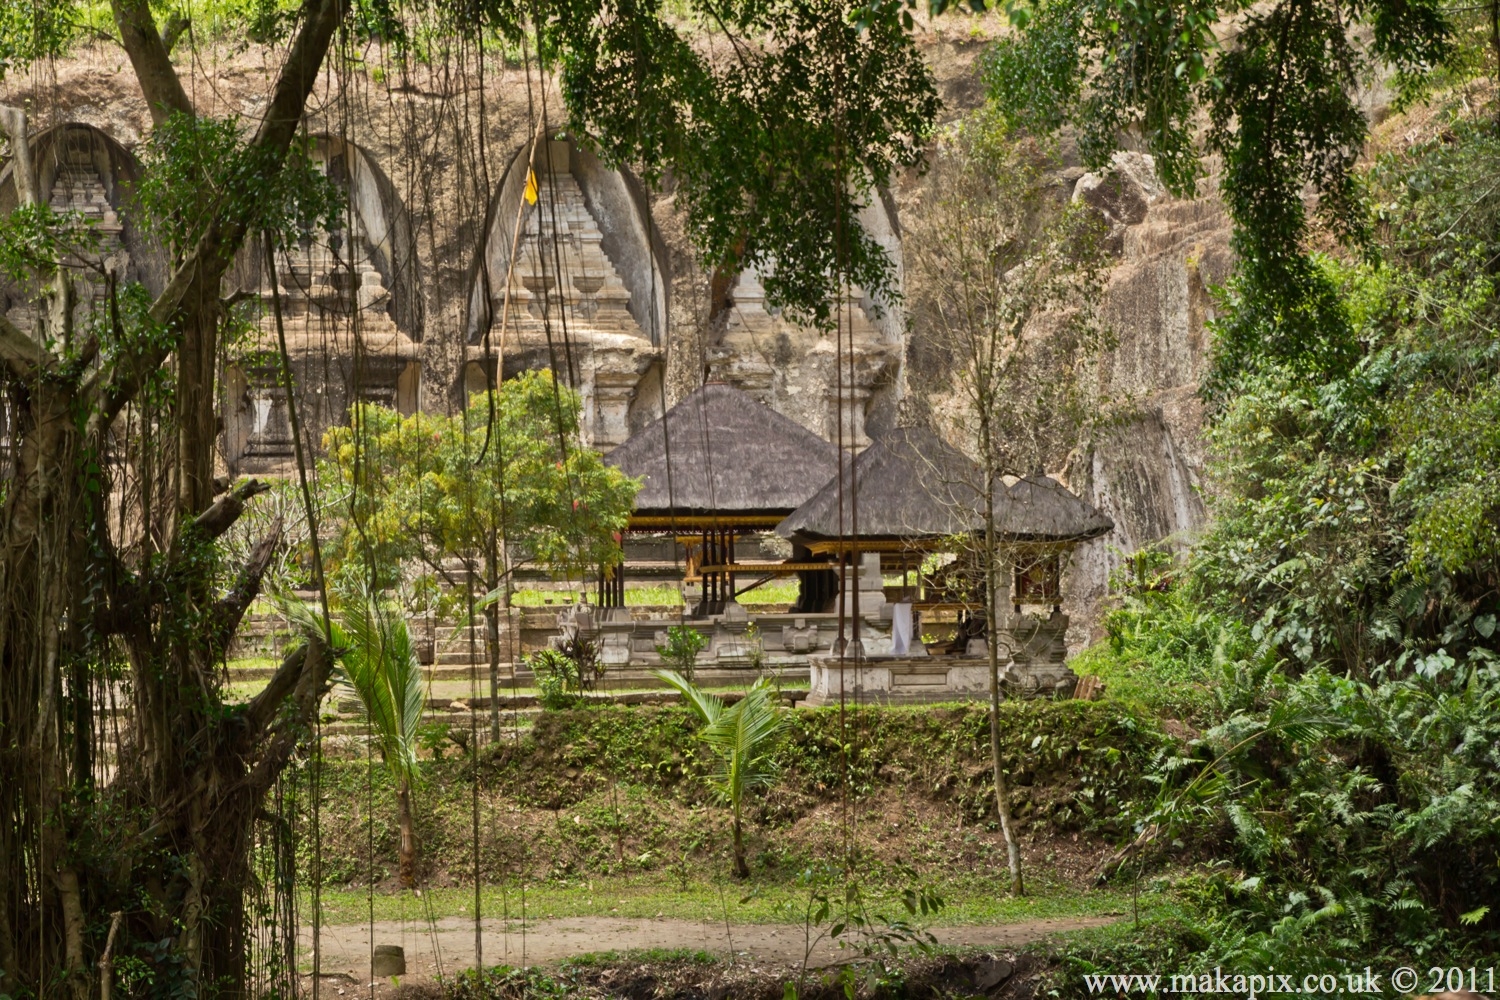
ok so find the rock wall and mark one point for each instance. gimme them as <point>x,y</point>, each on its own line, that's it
<point>1145,468</point>
<point>446,155</point>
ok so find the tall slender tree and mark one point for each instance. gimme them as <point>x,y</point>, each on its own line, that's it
<point>1002,275</point>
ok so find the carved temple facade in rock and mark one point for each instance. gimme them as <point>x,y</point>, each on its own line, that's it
<point>85,174</point>
<point>570,279</point>
<point>573,276</point>
<point>348,300</point>
<point>794,369</point>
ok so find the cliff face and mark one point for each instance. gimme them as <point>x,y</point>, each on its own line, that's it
<point>446,138</point>
<point>1145,469</point>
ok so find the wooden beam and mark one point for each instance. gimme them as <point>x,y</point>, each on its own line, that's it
<point>717,522</point>
<point>871,545</point>
<point>781,569</point>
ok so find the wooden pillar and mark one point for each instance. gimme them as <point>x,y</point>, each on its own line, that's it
<point>729,561</point>
<point>710,579</point>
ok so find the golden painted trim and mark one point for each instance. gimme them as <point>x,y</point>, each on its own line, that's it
<point>765,567</point>
<point>716,522</point>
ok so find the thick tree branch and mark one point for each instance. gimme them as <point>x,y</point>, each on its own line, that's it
<point>197,280</point>
<point>177,24</point>
<point>311,683</point>
<point>232,606</point>
<point>263,707</point>
<point>227,509</point>
<point>21,354</point>
<point>150,57</point>
<point>13,121</point>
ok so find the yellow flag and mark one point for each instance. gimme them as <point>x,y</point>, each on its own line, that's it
<point>530,187</point>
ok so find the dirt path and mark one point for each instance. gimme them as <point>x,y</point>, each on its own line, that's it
<point>450,944</point>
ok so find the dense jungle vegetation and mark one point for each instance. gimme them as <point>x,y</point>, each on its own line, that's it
<point>1300,743</point>
<point>1332,637</point>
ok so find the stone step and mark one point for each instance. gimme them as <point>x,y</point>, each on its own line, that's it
<point>439,672</point>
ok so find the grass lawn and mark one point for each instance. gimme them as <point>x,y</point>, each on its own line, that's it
<point>648,896</point>
<point>780,591</point>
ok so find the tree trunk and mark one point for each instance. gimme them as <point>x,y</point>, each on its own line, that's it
<point>492,635</point>
<point>408,835</point>
<point>166,840</point>
<point>741,869</point>
<point>992,590</point>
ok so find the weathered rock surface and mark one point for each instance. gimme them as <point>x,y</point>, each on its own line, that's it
<point>446,161</point>
<point>1146,469</point>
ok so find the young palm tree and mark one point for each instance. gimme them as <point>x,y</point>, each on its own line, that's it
<point>382,668</point>
<point>377,661</point>
<point>743,737</point>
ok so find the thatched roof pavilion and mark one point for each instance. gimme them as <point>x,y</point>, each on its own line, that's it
<point>914,490</point>
<point>912,487</point>
<point>734,462</point>
<point>1040,509</point>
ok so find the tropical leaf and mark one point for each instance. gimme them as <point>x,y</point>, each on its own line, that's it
<point>709,707</point>
<point>382,670</point>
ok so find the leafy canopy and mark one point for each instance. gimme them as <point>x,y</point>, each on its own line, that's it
<point>512,468</point>
<point>1277,83</point>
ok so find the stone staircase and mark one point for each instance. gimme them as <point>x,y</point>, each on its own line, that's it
<point>456,664</point>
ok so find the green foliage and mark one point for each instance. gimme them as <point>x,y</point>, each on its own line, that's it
<point>1360,821</point>
<point>1348,774</point>
<point>743,739</point>
<point>1167,649</point>
<point>1283,113</point>
<point>34,31</point>
<point>838,907</point>
<point>560,678</point>
<point>1357,822</point>
<point>197,169</point>
<point>510,469</point>
<point>680,653</point>
<point>773,152</point>
<point>380,666</point>
<point>1356,517</point>
<point>33,238</point>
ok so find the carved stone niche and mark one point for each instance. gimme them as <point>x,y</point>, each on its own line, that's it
<point>350,304</point>
<point>83,172</point>
<point>584,295</point>
<point>796,369</point>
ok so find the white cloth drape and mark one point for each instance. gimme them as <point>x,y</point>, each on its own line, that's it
<point>900,629</point>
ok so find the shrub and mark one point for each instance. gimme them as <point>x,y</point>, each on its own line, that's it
<point>556,677</point>
<point>684,643</point>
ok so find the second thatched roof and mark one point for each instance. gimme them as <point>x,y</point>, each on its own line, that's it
<point>913,486</point>
<point>731,455</point>
<point>1040,509</point>
<point>910,485</point>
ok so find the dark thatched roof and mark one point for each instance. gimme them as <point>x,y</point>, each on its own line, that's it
<point>910,484</point>
<point>1041,509</point>
<point>731,454</point>
<point>913,485</point>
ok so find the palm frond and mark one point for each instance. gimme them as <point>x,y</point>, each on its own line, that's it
<point>309,621</point>
<point>709,707</point>
<point>744,738</point>
<point>383,671</point>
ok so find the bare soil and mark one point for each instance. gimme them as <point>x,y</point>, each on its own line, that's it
<point>447,945</point>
